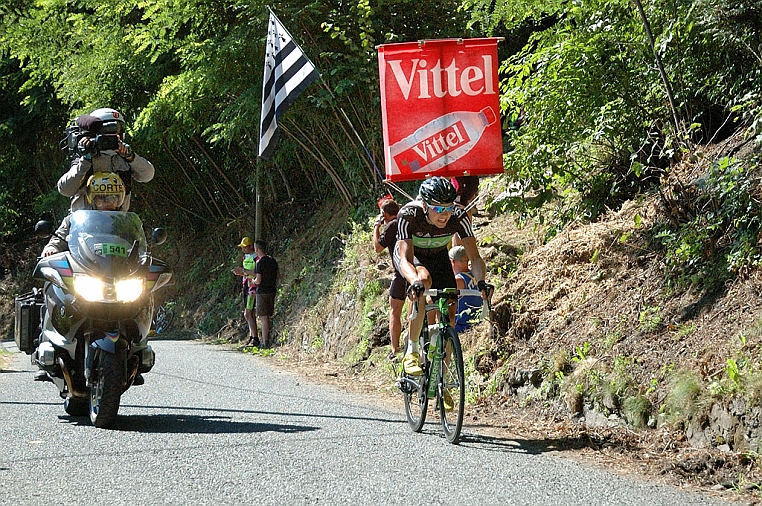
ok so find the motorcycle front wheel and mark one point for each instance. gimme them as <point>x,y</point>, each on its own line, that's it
<point>106,393</point>
<point>76,406</point>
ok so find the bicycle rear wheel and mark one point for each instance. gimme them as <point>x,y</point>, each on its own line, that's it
<point>454,387</point>
<point>416,400</point>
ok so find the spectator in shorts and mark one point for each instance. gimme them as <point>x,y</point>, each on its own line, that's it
<point>266,278</point>
<point>385,236</point>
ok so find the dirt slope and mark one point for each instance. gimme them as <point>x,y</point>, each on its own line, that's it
<point>585,346</point>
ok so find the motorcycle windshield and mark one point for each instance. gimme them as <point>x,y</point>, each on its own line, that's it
<point>103,240</point>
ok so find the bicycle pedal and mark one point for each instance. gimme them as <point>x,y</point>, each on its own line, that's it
<point>403,386</point>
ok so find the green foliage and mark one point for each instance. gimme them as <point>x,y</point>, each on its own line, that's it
<point>584,100</point>
<point>685,397</point>
<point>684,330</point>
<point>650,318</point>
<point>717,239</point>
<point>358,353</point>
<point>595,125</point>
<point>581,352</point>
<point>637,410</point>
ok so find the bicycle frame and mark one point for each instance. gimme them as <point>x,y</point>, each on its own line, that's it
<point>432,382</point>
<point>424,340</point>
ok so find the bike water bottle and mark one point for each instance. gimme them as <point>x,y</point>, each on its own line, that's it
<point>436,354</point>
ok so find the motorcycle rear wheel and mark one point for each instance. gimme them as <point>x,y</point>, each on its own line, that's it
<point>106,394</point>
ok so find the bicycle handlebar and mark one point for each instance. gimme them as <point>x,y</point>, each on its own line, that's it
<point>452,294</point>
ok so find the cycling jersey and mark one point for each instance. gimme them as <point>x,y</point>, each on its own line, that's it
<point>430,242</point>
<point>427,237</point>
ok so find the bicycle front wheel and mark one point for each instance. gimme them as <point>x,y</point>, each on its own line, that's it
<point>452,396</point>
<point>416,400</point>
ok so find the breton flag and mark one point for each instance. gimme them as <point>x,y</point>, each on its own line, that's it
<point>288,72</point>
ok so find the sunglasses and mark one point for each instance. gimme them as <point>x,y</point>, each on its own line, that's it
<point>442,209</point>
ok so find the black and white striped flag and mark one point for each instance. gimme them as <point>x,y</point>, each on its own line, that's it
<point>288,72</point>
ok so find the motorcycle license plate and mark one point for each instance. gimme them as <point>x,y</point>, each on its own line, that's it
<point>106,249</point>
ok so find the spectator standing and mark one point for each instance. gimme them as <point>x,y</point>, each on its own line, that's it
<point>385,237</point>
<point>266,278</point>
<point>248,288</point>
<point>469,306</point>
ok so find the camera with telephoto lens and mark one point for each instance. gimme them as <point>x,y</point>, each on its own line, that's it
<point>106,141</point>
<point>102,137</point>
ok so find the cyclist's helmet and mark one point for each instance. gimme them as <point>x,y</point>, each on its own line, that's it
<point>105,191</point>
<point>113,121</point>
<point>437,190</point>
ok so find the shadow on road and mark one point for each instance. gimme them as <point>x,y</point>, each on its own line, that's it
<point>167,423</point>
<point>525,446</point>
<point>190,424</point>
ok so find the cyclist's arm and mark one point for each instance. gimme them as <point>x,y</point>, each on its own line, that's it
<point>406,267</point>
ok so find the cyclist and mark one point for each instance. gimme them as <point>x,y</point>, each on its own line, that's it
<point>425,227</point>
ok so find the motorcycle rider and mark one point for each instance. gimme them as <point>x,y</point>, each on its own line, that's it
<point>104,191</point>
<point>122,160</point>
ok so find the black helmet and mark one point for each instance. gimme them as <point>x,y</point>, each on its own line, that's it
<point>437,190</point>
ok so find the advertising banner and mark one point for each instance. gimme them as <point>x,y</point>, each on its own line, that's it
<point>440,108</point>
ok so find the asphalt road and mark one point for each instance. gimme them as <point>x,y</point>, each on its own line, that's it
<point>213,426</point>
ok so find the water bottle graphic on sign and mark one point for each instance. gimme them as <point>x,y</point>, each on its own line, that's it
<point>441,141</point>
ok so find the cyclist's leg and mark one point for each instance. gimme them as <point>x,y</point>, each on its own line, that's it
<point>411,361</point>
<point>417,323</point>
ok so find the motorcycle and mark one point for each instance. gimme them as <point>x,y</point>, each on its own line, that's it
<point>95,311</point>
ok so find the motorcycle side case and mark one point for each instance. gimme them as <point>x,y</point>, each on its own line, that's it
<point>27,320</point>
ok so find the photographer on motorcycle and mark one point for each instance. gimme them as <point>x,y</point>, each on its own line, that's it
<point>104,191</point>
<point>102,149</point>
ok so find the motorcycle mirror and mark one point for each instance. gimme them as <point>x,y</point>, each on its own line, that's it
<point>158,236</point>
<point>43,228</point>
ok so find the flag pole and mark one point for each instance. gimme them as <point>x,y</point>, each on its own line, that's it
<point>257,204</point>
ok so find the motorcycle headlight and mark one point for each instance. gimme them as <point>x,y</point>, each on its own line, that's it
<point>95,290</point>
<point>89,288</point>
<point>128,290</point>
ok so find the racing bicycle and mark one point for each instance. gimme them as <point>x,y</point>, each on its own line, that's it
<point>162,318</point>
<point>443,377</point>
